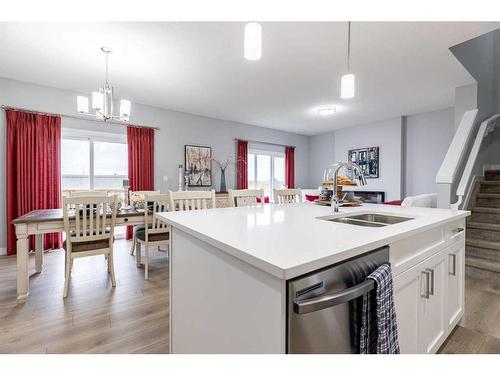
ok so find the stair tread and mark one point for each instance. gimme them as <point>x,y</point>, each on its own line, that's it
<point>482,225</point>
<point>488,210</point>
<point>482,263</point>
<point>490,182</point>
<point>482,243</point>
<point>488,195</point>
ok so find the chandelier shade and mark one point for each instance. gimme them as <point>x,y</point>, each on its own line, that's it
<point>102,100</point>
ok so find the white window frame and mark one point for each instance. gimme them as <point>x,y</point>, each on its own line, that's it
<point>272,154</point>
<point>91,137</point>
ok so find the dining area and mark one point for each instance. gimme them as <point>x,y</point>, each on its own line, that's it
<point>88,221</point>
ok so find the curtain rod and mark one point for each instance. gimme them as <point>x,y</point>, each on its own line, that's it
<point>78,117</point>
<point>262,142</point>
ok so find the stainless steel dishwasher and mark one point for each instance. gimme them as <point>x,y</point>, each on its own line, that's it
<point>320,304</point>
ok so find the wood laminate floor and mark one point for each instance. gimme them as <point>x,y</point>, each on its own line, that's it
<point>481,326</point>
<point>133,317</point>
<point>94,318</point>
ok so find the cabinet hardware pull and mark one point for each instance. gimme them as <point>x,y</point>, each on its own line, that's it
<point>431,273</point>
<point>458,230</point>
<point>426,293</point>
<point>454,262</point>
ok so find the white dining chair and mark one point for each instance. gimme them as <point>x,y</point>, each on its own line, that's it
<point>245,197</point>
<point>89,232</point>
<point>191,200</point>
<point>88,193</point>
<point>155,234</point>
<point>287,195</point>
<point>142,194</point>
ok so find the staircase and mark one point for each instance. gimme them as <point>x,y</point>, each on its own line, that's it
<point>482,251</point>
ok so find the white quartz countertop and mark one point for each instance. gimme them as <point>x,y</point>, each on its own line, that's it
<point>288,240</point>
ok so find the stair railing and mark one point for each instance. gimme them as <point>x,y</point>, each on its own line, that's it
<point>448,172</point>
<point>466,185</point>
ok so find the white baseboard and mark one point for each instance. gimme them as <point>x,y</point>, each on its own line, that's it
<point>3,251</point>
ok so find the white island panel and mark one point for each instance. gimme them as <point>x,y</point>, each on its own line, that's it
<point>220,304</point>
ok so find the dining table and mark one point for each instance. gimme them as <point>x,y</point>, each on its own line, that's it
<point>40,222</point>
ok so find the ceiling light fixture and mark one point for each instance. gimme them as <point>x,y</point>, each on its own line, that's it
<point>347,81</point>
<point>253,41</point>
<point>327,110</point>
<point>102,100</point>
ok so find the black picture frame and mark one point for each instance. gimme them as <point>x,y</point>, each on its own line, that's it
<point>198,158</point>
<point>368,160</point>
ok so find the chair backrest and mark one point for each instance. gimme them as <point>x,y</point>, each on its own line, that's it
<point>88,193</point>
<point>191,200</point>
<point>90,218</point>
<point>423,200</point>
<point>157,203</point>
<point>245,197</point>
<point>287,195</point>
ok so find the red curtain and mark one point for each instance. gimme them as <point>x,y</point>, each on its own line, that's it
<point>33,170</point>
<point>141,142</point>
<point>289,167</point>
<point>242,168</point>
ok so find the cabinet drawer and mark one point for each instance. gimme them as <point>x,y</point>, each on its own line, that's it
<point>406,253</point>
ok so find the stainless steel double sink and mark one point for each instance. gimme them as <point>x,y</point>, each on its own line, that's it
<point>367,219</point>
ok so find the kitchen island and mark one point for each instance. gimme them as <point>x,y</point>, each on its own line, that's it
<point>230,268</point>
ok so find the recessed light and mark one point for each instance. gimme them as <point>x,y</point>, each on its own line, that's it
<point>327,110</point>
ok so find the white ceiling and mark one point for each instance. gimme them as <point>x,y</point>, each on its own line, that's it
<point>401,68</point>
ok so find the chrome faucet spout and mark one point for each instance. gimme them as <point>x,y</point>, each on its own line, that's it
<point>335,168</point>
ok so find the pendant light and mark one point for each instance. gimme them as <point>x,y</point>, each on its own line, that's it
<point>253,41</point>
<point>347,81</point>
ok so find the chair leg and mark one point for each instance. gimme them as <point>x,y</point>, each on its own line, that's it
<point>146,261</point>
<point>138,254</point>
<point>111,268</point>
<point>67,274</point>
<point>134,243</point>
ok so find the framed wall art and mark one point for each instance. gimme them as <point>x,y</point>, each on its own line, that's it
<point>198,165</point>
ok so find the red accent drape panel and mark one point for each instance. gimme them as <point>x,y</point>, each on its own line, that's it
<point>289,167</point>
<point>242,165</point>
<point>141,143</point>
<point>33,170</point>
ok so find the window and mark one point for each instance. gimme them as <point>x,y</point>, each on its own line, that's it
<point>75,164</point>
<point>266,170</point>
<point>93,163</point>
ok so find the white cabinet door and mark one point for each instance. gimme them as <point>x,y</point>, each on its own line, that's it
<point>431,321</point>
<point>406,301</point>
<point>455,284</point>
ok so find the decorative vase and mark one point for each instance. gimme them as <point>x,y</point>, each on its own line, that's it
<point>222,181</point>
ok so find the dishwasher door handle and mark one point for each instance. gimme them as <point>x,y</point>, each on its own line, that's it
<point>332,299</point>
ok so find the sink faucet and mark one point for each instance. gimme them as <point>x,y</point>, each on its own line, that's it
<point>335,168</point>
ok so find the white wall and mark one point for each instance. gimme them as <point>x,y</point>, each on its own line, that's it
<point>176,130</point>
<point>387,135</point>
<point>428,136</point>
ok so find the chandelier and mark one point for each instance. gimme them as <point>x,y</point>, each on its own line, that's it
<point>102,100</point>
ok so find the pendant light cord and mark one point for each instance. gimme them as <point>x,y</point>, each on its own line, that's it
<point>349,46</point>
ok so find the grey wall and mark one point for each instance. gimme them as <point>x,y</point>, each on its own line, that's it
<point>477,56</point>
<point>176,130</point>
<point>411,150</point>
<point>321,155</point>
<point>465,100</point>
<point>428,137</point>
<point>387,136</point>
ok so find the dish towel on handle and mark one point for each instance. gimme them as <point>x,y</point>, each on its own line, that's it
<point>378,332</point>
